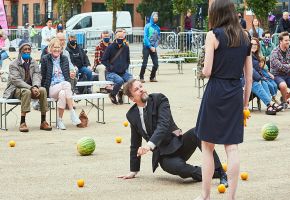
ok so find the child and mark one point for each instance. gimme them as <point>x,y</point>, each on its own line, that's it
<point>269,79</point>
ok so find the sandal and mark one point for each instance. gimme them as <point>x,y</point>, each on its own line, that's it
<point>270,110</point>
<point>277,107</point>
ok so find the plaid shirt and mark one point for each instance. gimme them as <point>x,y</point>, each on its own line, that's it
<point>280,65</point>
<point>100,49</point>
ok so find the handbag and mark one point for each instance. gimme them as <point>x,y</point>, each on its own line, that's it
<point>84,119</point>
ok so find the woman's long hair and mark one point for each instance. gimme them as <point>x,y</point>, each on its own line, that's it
<point>222,14</point>
<point>257,54</point>
<point>255,33</point>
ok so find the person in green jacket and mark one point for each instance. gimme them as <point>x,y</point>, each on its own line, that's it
<point>33,35</point>
<point>267,46</point>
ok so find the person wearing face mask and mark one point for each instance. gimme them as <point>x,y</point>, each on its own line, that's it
<point>47,33</point>
<point>267,46</point>
<point>116,60</point>
<point>55,73</point>
<point>24,83</point>
<point>150,43</point>
<point>99,52</point>
<point>79,58</point>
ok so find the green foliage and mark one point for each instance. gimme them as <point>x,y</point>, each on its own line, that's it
<point>261,9</point>
<point>65,6</point>
<point>114,5</point>
<point>164,9</point>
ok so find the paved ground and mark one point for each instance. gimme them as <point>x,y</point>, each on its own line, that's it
<point>46,165</point>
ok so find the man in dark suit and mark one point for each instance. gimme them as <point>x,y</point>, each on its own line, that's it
<point>150,118</point>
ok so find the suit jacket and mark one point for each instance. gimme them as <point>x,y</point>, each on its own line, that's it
<point>159,125</point>
<point>17,75</point>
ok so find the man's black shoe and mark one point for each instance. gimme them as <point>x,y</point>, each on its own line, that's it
<point>224,179</point>
<point>120,97</point>
<point>113,99</point>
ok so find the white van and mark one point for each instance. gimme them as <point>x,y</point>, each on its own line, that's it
<point>99,21</point>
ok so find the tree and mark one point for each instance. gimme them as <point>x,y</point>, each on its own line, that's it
<point>164,9</point>
<point>182,6</point>
<point>261,10</point>
<point>65,6</point>
<point>114,5</point>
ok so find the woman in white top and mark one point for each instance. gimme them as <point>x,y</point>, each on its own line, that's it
<point>256,31</point>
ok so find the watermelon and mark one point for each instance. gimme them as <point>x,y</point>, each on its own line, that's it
<point>270,131</point>
<point>86,146</point>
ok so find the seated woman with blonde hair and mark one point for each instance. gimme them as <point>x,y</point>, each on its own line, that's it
<point>55,78</point>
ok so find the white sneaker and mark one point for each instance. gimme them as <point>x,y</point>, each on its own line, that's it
<point>60,124</point>
<point>74,118</point>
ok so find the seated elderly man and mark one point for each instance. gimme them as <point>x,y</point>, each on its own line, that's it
<point>116,60</point>
<point>280,65</point>
<point>24,83</point>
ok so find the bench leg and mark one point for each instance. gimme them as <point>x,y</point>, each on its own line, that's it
<point>5,117</point>
<point>1,116</point>
<point>50,113</point>
<point>98,103</point>
<point>103,105</point>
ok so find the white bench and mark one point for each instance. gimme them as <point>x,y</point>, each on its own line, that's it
<point>94,83</point>
<point>179,61</point>
<point>14,103</point>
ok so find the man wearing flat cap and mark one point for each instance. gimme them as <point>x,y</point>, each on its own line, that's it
<point>24,83</point>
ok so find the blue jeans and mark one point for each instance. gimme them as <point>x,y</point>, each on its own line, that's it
<point>272,86</point>
<point>87,72</point>
<point>3,56</point>
<point>118,79</point>
<point>260,92</point>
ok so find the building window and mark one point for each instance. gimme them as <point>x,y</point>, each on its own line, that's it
<point>84,23</point>
<point>25,14</point>
<point>98,7</point>
<point>36,13</point>
<point>14,14</point>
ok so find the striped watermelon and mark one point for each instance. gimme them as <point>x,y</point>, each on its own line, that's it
<point>86,146</point>
<point>270,131</point>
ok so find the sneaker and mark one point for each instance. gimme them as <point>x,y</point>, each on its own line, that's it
<point>23,127</point>
<point>45,126</point>
<point>153,80</point>
<point>60,124</point>
<point>74,118</point>
<point>142,80</point>
<point>113,98</point>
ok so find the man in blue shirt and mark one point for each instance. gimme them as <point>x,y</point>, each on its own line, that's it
<point>150,43</point>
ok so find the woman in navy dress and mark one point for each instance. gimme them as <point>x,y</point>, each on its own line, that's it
<point>220,118</point>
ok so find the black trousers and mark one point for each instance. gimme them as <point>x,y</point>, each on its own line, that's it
<point>146,52</point>
<point>176,163</point>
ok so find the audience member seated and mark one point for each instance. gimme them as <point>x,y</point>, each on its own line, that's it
<point>55,78</point>
<point>260,88</point>
<point>4,47</point>
<point>116,60</point>
<point>267,47</point>
<point>24,84</point>
<point>280,65</point>
<point>256,31</point>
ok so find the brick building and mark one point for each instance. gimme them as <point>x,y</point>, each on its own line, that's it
<point>20,12</point>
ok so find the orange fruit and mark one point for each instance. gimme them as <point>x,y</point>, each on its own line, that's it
<point>118,139</point>
<point>81,182</point>
<point>247,113</point>
<point>125,123</point>
<point>12,143</point>
<point>225,166</point>
<point>221,188</point>
<point>244,176</point>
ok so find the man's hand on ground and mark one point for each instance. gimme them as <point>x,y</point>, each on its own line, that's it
<point>128,176</point>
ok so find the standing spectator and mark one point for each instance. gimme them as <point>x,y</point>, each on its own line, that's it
<point>100,50</point>
<point>116,60</point>
<point>272,23</point>
<point>55,78</point>
<point>47,33</point>
<point>284,23</point>
<point>227,57</point>
<point>79,57</point>
<point>33,35</point>
<point>256,31</point>
<point>267,46</point>
<point>150,43</point>
<point>24,84</point>
<point>242,21</point>
<point>280,65</point>
<point>187,28</point>
<point>4,47</point>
